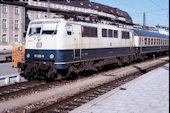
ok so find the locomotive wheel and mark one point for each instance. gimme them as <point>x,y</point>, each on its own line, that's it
<point>27,74</point>
<point>59,76</point>
<point>50,75</point>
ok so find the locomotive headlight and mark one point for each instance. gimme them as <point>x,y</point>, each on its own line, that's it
<point>51,56</point>
<point>28,55</point>
<point>20,49</point>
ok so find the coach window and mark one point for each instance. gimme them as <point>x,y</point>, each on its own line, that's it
<point>145,41</point>
<point>161,42</point>
<point>90,32</point>
<point>115,33</point>
<point>157,42</point>
<point>165,42</point>
<point>140,40</point>
<point>69,29</point>
<point>110,33</point>
<point>149,41</point>
<point>154,41</point>
<point>104,32</point>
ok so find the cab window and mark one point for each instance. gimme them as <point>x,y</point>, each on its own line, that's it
<point>69,29</point>
<point>35,29</point>
<point>49,28</point>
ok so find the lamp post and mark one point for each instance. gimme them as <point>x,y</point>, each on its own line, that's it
<point>48,8</point>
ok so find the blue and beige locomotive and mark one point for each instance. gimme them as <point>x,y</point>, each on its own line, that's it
<point>57,48</point>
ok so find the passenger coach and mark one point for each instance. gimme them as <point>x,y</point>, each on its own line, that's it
<point>150,42</point>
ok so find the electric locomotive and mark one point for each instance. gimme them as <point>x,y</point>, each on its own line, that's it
<point>56,48</point>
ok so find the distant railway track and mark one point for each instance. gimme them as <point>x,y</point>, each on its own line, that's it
<point>69,103</point>
<point>5,61</point>
<point>5,58</point>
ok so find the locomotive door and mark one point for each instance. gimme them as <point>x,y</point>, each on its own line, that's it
<point>77,41</point>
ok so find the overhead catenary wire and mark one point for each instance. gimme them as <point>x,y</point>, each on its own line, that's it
<point>151,11</point>
<point>155,4</point>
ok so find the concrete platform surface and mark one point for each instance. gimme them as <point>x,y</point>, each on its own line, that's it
<point>146,94</point>
<point>6,68</point>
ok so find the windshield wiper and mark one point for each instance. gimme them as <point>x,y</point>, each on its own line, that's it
<point>55,32</point>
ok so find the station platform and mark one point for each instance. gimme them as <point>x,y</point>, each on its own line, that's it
<point>5,53</point>
<point>6,68</point>
<point>146,94</point>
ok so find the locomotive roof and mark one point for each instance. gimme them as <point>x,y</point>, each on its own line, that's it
<point>150,34</point>
<point>77,22</point>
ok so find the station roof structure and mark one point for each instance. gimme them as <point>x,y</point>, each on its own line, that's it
<point>96,6</point>
<point>86,4</point>
<point>13,2</point>
<point>120,16</point>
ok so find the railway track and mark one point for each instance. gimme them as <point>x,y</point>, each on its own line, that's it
<point>68,103</point>
<point>18,89</point>
<point>71,102</point>
<point>24,88</point>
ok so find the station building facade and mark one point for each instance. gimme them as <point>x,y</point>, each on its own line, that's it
<point>12,23</point>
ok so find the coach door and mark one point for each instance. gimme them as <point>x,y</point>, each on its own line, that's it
<point>77,41</point>
<point>141,43</point>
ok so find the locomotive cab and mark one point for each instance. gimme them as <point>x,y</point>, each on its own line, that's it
<point>48,43</point>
